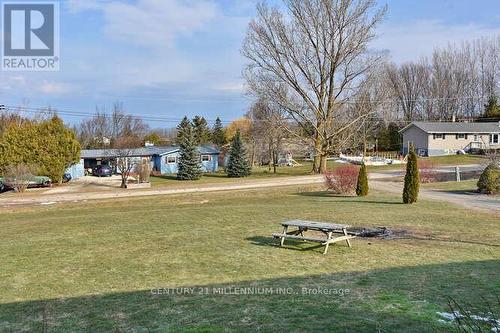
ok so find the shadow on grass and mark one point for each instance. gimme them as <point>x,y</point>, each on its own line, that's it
<point>290,244</point>
<point>402,299</point>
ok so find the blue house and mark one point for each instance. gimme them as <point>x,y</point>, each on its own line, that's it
<point>164,160</point>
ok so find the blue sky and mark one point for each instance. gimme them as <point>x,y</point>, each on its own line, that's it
<point>170,58</point>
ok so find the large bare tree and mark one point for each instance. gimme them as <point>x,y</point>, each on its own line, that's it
<point>310,59</point>
<point>105,130</point>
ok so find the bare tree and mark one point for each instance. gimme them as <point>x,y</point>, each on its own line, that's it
<point>19,176</point>
<point>456,82</point>
<point>268,122</point>
<point>310,60</point>
<point>408,83</point>
<point>126,161</point>
<point>104,130</point>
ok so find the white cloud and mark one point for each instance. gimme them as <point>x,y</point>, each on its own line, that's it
<point>411,40</point>
<point>151,23</point>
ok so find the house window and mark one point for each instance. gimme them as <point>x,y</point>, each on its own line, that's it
<point>461,136</point>
<point>494,138</point>
<point>476,137</point>
<point>205,158</point>
<point>171,159</point>
<point>438,136</point>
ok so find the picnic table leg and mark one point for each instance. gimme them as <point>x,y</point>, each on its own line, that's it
<point>285,230</point>
<point>302,233</point>
<point>347,240</point>
<point>328,242</point>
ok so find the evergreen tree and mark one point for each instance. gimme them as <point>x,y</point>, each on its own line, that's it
<point>183,129</point>
<point>489,182</point>
<point>412,179</point>
<point>218,133</point>
<point>362,186</point>
<point>189,160</point>
<point>48,145</point>
<point>201,131</point>
<point>238,165</point>
<point>492,109</point>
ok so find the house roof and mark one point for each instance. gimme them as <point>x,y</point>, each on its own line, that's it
<point>455,127</point>
<point>142,152</point>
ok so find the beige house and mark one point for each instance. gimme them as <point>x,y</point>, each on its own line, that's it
<point>440,138</point>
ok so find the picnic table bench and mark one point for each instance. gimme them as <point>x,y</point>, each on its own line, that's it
<point>329,229</point>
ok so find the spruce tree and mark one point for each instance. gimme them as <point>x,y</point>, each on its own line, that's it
<point>183,128</point>
<point>218,133</point>
<point>189,167</point>
<point>238,165</point>
<point>492,108</point>
<point>362,186</point>
<point>412,179</point>
<point>201,131</point>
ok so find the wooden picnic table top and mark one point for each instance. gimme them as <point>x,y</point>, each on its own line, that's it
<point>315,225</point>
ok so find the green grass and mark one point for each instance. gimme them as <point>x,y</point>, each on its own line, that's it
<point>91,267</point>
<point>466,185</point>
<point>257,173</point>
<point>305,169</point>
<point>457,159</point>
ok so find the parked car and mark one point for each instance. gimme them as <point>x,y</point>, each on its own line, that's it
<point>67,177</point>
<point>102,171</point>
<point>38,181</point>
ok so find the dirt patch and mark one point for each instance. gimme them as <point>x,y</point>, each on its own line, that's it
<point>380,233</point>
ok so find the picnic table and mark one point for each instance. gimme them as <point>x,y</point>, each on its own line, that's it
<point>328,229</point>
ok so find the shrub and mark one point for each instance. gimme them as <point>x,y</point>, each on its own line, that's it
<point>412,184</point>
<point>343,179</point>
<point>427,171</point>
<point>18,177</point>
<point>362,185</point>
<point>489,182</point>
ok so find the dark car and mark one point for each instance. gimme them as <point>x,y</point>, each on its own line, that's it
<point>102,171</point>
<point>67,177</point>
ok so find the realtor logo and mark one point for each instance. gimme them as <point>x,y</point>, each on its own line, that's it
<point>30,32</point>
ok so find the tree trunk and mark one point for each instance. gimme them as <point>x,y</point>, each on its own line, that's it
<point>317,156</point>
<point>275,160</point>
<point>271,156</point>
<point>323,163</point>
<point>124,183</point>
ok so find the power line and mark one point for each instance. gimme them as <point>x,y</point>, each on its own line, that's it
<point>87,114</point>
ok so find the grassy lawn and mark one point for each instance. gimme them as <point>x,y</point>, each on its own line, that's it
<point>305,169</point>
<point>457,159</point>
<point>466,185</point>
<point>91,267</point>
<point>257,173</point>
